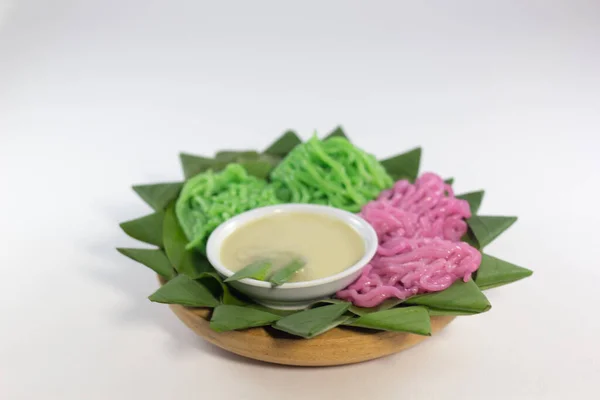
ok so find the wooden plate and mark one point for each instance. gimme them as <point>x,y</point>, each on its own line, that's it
<point>336,347</point>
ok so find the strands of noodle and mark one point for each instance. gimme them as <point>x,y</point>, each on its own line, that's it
<point>419,227</point>
<point>210,198</point>
<point>332,172</point>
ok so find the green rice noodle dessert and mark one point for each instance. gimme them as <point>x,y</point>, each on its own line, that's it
<point>331,172</point>
<point>210,198</point>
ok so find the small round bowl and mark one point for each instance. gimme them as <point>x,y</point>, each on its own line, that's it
<point>295,295</point>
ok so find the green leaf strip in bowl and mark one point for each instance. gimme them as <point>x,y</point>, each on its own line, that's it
<point>257,270</point>
<point>287,272</point>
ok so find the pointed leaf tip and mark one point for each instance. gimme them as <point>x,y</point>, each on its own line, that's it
<point>188,262</point>
<point>461,296</point>
<point>213,282</point>
<point>193,165</point>
<point>494,272</point>
<point>474,199</point>
<point>147,229</point>
<point>284,144</point>
<point>405,165</point>
<point>158,195</point>
<point>403,319</point>
<point>337,132</point>
<point>237,155</point>
<point>185,291</point>
<point>259,169</point>
<point>386,305</point>
<point>154,259</point>
<point>487,228</point>
<point>435,312</point>
<point>312,322</point>
<point>247,157</point>
<point>231,317</point>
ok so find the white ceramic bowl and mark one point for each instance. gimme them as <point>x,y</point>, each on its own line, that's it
<point>294,295</point>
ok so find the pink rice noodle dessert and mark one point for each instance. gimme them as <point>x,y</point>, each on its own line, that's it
<point>419,228</point>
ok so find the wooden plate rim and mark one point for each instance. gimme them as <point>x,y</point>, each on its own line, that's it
<point>338,346</point>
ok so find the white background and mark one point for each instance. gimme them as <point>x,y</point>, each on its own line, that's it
<point>98,95</point>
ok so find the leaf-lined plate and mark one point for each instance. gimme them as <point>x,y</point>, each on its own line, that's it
<point>193,288</point>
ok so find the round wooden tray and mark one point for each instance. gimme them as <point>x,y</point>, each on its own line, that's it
<point>336,347</point>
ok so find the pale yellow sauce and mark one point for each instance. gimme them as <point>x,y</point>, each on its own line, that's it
<point>327,245</point>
